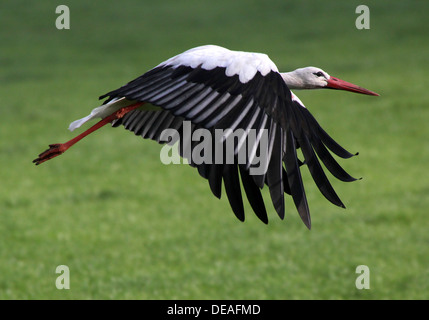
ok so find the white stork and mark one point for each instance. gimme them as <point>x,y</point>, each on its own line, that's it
<point>213,87</point>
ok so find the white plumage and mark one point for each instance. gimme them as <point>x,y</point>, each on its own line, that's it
<point>243,64</point>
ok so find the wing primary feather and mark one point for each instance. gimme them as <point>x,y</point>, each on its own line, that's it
<point>274,175</point>
<point>330,163</point>
<point>317,173</point>
<point>325,137</point>
<point>260,179</point>
<point>295,180</point>
<point>259,132</point>
<point>233,190</point>
<point>247,126</point>
<point>215,179</point>
<point>253,149</point>
<point>253,194</point>
<point>203,170</point>
<point>312,161</point>
<point>272,136</point>
<point>286,186</point>
<point>311,127</point>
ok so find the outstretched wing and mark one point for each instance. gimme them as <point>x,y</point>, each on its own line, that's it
<point>215,88</point>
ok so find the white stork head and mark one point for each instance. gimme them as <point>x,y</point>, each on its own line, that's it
<point>316,78</point>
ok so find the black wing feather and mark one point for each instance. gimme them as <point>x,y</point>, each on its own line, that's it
<point>274,176</point>
<point>254,195</point>
<point>233,190</point>
<point>295,180</point>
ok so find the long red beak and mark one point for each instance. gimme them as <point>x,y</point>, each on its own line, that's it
<point>335,83</point>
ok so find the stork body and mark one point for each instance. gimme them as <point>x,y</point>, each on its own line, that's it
<point>216,88</point>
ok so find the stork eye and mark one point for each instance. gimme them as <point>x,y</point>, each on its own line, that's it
<point>319,74</point>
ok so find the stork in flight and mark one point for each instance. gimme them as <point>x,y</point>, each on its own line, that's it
<point>216,88</point>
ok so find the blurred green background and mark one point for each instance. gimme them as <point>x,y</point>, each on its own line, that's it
<point>129,227</point>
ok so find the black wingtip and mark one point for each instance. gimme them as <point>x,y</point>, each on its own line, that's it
<point>308,225</point>
<point>215,180</point>
<point>254,196</point>
<point>240,217</point>
<point>264,219</point>
<point>304,213</point>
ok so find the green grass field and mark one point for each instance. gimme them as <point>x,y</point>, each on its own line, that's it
<point>129,227</point>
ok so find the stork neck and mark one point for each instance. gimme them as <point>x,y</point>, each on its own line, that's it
<point>292,80</point>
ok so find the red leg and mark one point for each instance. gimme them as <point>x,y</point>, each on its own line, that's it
<point>59,148</point>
